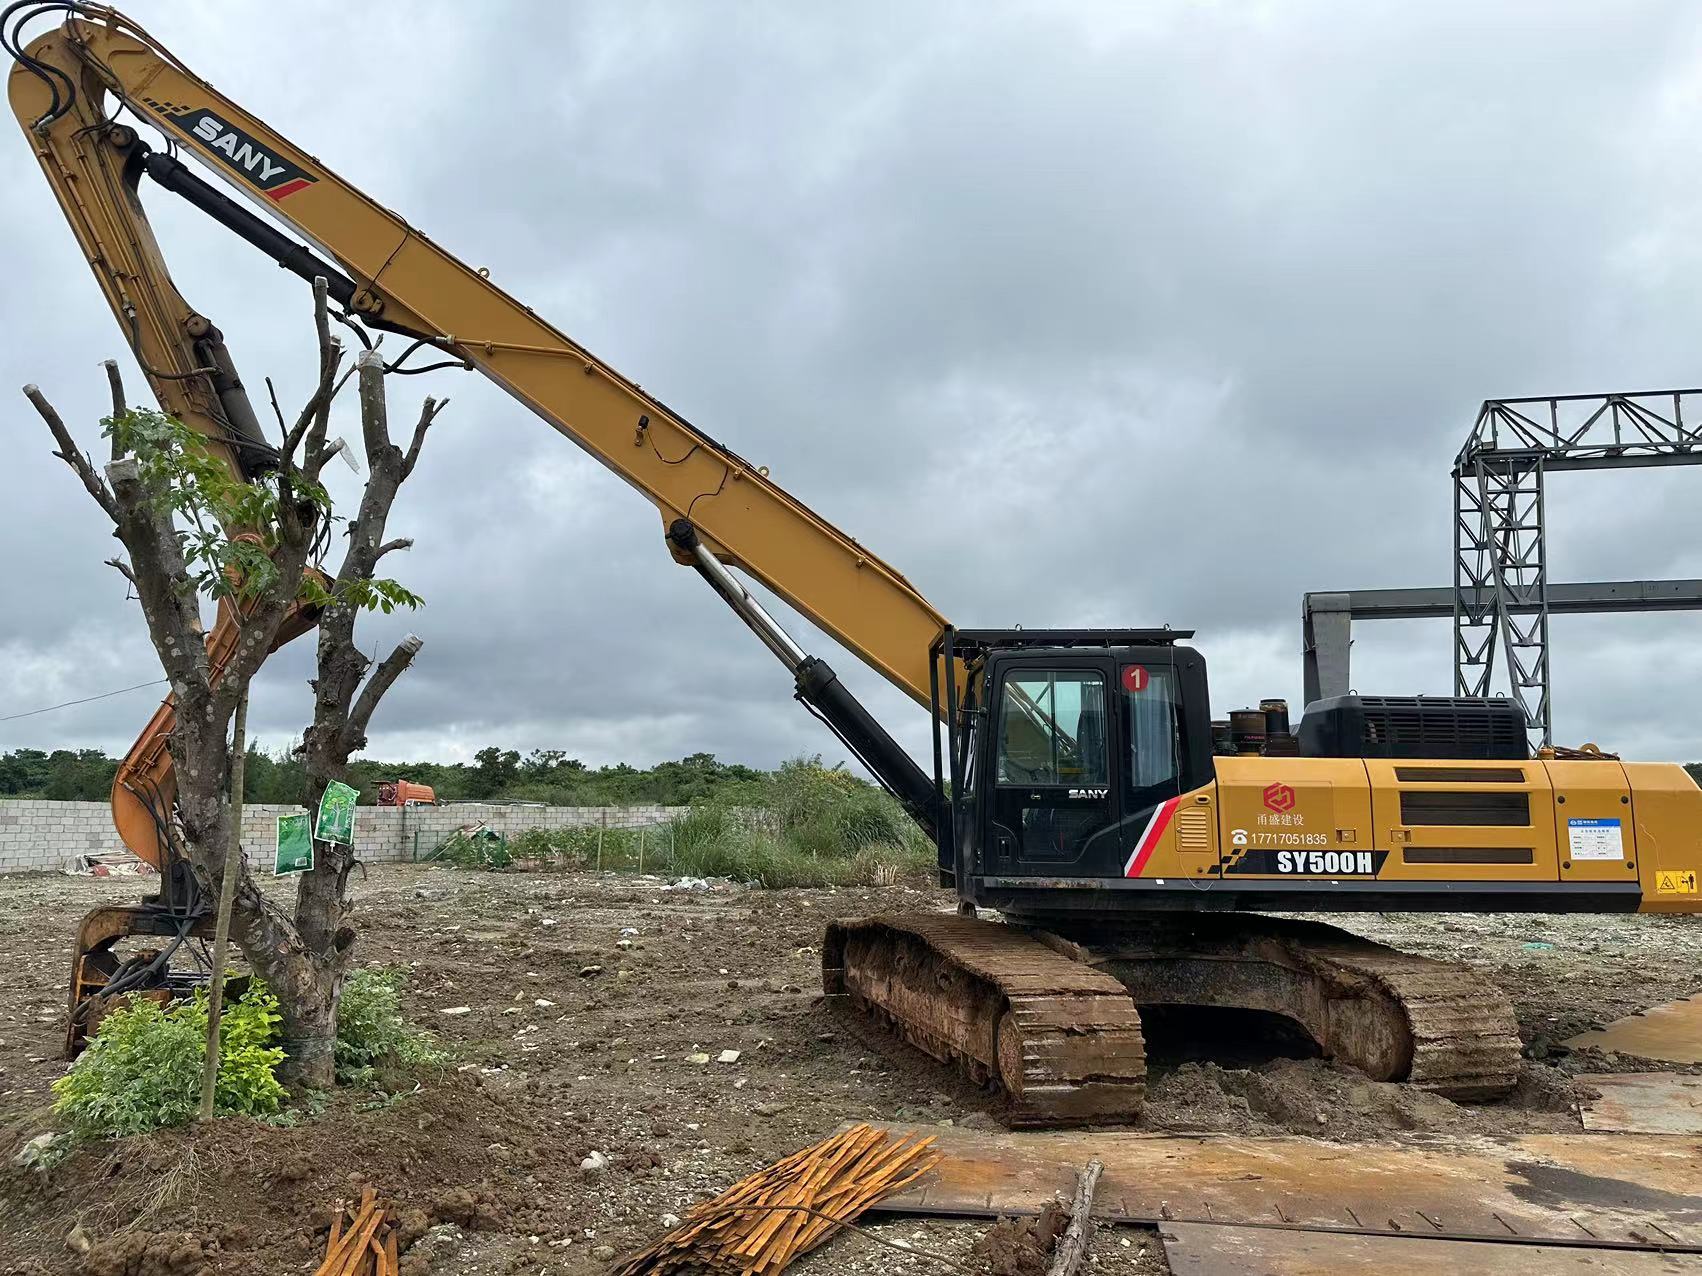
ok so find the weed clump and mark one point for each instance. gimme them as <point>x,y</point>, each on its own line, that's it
<point>481,848</point>
<point>142,1068</point>
<point>373,1035</point>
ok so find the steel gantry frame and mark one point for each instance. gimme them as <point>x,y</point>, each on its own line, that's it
<point>1502,596</point>
<point>1327,617</point>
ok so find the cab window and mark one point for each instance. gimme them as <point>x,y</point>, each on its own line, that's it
<point>1150,704</point>
<point>1052,729</point>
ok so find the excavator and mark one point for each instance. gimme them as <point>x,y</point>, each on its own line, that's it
<point>1127,848</point>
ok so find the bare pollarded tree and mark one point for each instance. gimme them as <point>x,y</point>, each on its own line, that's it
<point>195,532</point>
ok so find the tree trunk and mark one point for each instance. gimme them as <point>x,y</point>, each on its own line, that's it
<point>308,992</point>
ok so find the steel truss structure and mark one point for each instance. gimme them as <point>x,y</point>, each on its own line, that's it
<point>1502,598</point>
<point>1327,618</point>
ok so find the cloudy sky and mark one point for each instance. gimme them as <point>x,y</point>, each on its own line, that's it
<point>1076,313</point>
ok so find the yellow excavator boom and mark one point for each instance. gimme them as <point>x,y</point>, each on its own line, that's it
<point>389,276</point>
<point>402,280</point>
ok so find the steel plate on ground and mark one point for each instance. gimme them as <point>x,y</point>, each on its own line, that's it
<point>1628,1188</point>
<point>1197,1249</point>
<point>1644,1103</point>
<point>1670,1032</point>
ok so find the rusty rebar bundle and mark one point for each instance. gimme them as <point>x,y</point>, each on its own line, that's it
<point>362,1240</point>
<point>763,1222</point>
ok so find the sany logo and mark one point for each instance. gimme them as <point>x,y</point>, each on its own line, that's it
<point>242,152</point>
<point>1089,793</point>
<point>272,173</point>
<point>1279,798</point>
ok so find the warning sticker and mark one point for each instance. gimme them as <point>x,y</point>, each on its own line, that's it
<point>1595,839</point>
<point>1676,881</point>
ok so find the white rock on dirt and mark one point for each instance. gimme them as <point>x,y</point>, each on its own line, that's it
<point>34,1152</point>
<point>452,1011</point>
<point>439,1249</point>
<point>594,1164</point>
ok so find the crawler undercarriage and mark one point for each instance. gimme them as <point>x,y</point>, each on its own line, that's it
<point>1051,1016</point>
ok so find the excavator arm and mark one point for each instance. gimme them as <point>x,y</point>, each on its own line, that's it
<point>720,510</point>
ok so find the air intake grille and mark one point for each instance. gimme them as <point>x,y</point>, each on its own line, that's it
<point>1468,855</point>
<point>1193,831</point>
<point>1492,807</point>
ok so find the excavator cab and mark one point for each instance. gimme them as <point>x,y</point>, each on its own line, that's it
<point>1066,751</point>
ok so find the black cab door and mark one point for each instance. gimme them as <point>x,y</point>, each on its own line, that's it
<point>1050,796</point>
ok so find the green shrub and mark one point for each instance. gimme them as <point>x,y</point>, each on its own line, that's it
<point>482,849</point>
<point>803,825</point>
<point>373,1033</point>
<point>533,846</point>
<point>142,1068</point>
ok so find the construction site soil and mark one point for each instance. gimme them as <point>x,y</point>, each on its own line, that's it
<point>596,1014</point>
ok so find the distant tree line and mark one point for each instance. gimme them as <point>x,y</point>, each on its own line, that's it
<point>543,775</point>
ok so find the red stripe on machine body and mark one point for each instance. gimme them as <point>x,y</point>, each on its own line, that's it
<point>1154,830</point>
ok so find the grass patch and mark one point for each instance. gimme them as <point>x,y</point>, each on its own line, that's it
<point>803,825</point>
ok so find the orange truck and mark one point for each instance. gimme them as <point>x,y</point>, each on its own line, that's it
<point>405,793</point>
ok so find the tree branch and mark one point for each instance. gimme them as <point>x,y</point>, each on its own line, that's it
<point>401,542</point>
<point>169,601</point>
<point>383,678</point>
<point>79,463</point>
<point>374,409</point>
<point>1073,1244</point>
<point>318,404</point>
<point>123,569</point>
<point>115,382</point>
<point>326,453</point>
<point>272,393</point>
<point>428,414</point>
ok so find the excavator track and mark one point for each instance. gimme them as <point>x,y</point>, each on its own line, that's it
<point>1395,1016</point>
<point>1050,1016</point>
<point>1060,1038</point>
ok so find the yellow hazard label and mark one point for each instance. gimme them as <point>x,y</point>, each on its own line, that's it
<point>1681,881</point>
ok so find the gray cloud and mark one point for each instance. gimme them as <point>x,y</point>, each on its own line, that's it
<point>1102,314</point>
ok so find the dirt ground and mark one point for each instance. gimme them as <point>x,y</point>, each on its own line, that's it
<point>590,1002</point>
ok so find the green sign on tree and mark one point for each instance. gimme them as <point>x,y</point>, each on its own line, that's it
<point>337,815</point>
<point>295,845</point>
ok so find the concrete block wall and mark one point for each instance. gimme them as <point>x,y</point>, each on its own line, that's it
<point>37,834</point>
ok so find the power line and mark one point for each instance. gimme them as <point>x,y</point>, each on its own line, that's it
<point>105,695</point>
